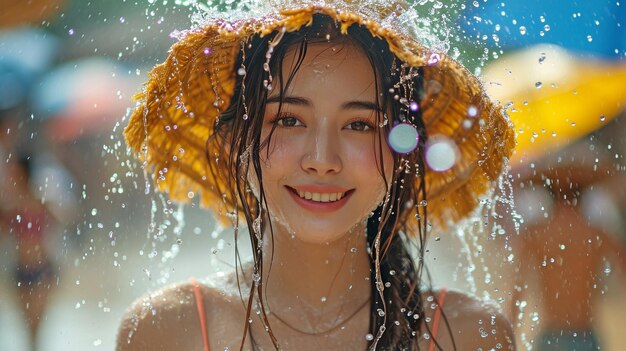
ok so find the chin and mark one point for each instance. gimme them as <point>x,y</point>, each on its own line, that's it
<point>310,231</point>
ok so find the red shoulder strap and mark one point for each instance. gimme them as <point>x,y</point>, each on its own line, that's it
<point>437,319</point>
<point>200,306</point>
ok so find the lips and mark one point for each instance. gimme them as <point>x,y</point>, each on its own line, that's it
<point>320,199</point>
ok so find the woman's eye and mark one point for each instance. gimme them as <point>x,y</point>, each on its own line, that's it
<point>359,126</point>
<point>288,122</point>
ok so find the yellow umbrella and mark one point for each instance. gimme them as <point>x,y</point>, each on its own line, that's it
<point>556,97</point>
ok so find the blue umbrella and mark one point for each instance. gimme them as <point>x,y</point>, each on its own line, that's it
<point>24,55</point>
<point>589,27</point>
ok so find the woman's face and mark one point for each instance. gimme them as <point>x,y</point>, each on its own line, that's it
<point>321,177</point>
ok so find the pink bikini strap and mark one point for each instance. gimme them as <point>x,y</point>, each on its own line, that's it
<point>200,306</point>
<point>437,319</point>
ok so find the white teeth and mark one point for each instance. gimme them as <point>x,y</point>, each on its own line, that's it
<point>320,197</point>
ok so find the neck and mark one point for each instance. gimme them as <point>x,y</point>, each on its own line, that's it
<point>316,285</point>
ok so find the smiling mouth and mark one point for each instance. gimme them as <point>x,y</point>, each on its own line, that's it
<point>320,197</point>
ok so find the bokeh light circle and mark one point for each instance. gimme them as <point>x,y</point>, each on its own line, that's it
<point>403,138</point>
<point>441,153</point>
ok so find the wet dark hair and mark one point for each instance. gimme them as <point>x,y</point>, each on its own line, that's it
<point>397,308</point>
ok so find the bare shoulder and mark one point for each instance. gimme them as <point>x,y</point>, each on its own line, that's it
<point>169,319</point>
<point>163,320</point>
<point>468,322</point>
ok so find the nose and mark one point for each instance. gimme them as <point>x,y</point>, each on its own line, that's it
<point>322,155</point>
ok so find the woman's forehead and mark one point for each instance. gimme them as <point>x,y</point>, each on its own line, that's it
<point>331,67</point>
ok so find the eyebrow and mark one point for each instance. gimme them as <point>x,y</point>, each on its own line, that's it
<point>301,101</point>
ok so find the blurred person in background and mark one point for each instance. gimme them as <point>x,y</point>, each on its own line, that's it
<point>570,240</point>
<point>28,220</point>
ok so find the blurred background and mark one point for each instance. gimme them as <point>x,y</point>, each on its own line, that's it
<point>82,235</point>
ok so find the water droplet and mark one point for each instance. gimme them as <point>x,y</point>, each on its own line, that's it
<point>71,31</point>
<point>538,85</point>
<point>245,116</point>
<point>434,59</point>
<point>472,111</point>
<point>542,57</point>
<point>369,337</point>
<point>534,316</point>
<point>589,38</point>
<point>522,30</point>
<point>241,71</point>
<point>602,118</point>
<point>207,51</point>
<point>413,106</point>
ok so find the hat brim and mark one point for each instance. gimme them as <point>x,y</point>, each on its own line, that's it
<point>183,97</point>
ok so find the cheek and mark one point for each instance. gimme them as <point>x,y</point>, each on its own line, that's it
<point>367,168</point>
<point>278,155</point>
<point>277,161</point>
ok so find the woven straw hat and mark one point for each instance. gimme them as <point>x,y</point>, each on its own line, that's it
<point>179,106</point>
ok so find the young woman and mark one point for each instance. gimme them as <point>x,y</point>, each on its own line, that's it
<point>314,125</point>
